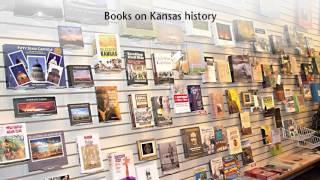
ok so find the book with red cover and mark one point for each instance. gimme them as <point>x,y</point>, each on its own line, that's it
<point>260,173</point>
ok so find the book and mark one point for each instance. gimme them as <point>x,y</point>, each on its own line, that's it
<point>162,68</point>
<point>306,73</point>
<point>290,35</point>
<point>300,49</point>
<point>276,135</point>
<point>276,44</point>
<point>290,105</point>
<point>79,76</point>
<point>208,139</point>
<point>195,97</point>
<point>79,114</point>
<point>240,68</point>
<point>260,173</point>
<point>200,173</point>
<point>256,69</point>
<point>14,143</point>
<point>147,171</point>
<point>285,65</point>
<point>307,93</point>
<point>279,92</point>
<point>168,155</point>
<point>70,37</point>
<point>216,168</point>
<point>220,135</point>
<point>223,71</point>
<point>121,165</point>
<point>140,110</point>
<point>266,134</point>
<point>194,57</point>
<point>316,64</point>
<point>299,103</point>
<point>268,105</point>
<point>309,46</point>
<point>304,14</point>
<point>261,43</point>
<point>247,98</point>
<point>315,91</point>
<point>33,66</point>
<point>231,167</point>
<point>245,123</point>
<point>169,32</point>
<point>106,50</point>
<point>191,140</point>
<point>217,104</point>
<point>107,102</point>
<point>181,99</point>
<point>277,117</point>
<point>290,126</point>
<point>91,159</point>
<point>198,28</point>
<point>209,76</point>
<point>47,151</point>
<point>294,65</point>
<point>136,69</point>
<point>32,106</point>
<point>234,140</point>
<point>268,76</point>
<point>256,105</point>
<point>247,157</point>
<point>161,110</point>
<point>243,30</point>
<point>223,34</point>
<point>233,101</point>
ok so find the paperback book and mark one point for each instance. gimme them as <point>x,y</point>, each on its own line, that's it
<point>261,43</point>
<point>195,97</point>
<point>245,123</point>
<point>315,91</point>
<point>169,32</point>
<point>247,157</point>
<point>299,103</point>
<point>316,64</point>
<point>221,140</point>
<point>162,65</point>
<point>168,156</point>
<point>216,168</point>
<point>279,92</point>
<point>266,134</point>
<point>276,43</point>
<point>121,165</point>
<point>269,79</point>
<point>209,76</point>
<point>234,140</point>
<point>140,110</point>
<point>181,99</point>
<point>240,68</point>
<point>217,104</point>
<point>200,173</point>
<point>194,57</point>
<point>223,34</point>
<point>161,110</point>
<point>136,69</point>
<point>198,28</point>
<point>243,30</point>
<point>80,76</point>
<point>191,140</point>
<point>223,71</point>
<point>208,139</point>
<point>233,101</point>
<point>231,167</point>
<point>306,73</point>
<point>108,105</point>
<point>290,126</point>
<point>256,70</point>
<point>70,37</point>
<point>147,171</point>
<point>290,35</point>
<point>268,105</point>
<point>32,106</point>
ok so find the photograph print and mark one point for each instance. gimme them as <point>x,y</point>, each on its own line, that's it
<point>54,59</point>
<point>79,114</point>
<point>37,68</point>
<point>54,74</point>
<point>241,68</point>
<point>34,105</point>
<point>70,37</point>
<point>18,57</point>
<point>147,149</point>
<point>20,74</point>
<point>224,32</point>
<point>168,156</point>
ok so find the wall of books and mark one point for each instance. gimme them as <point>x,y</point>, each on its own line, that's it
<point>91,99</point>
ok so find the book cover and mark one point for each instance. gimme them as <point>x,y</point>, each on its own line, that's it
<point>316,64</point>
<point>200,173</point>
<point>32,106</point>
<point>162,65</point>
<point>234,140</point>
<point>191,140</point>
<point>315,91</point>
<point>208,139</point>
<point>290,105</point>
<point>161,110</point>
<point>181,99</point>
<point>223,34</point>
<point>290,126</point>
<point>217,104</point>
<point>136,69</point>
<point>245,123</point>
<point>268,76</point>
<point>247,156</point>
<point>256,105</point>
<point>194,57</point>
<point>33,66</point>
<point>216,168</point>
<point>306,73</point>
<point>294,65</point>
<point>47,151</point>
<point>79,114</point>
<point>301,49</point>
<point>266,134</point>
<point>268,105</point>
<point>261,43</point>
<point>276,43</point>
<point>147,171</point>
<point>198,28</point>
<point>231,167</point>
<point>121,165</point>
<point>107,55</point>
<point>80,76</point>
<point>290,35</point>
<point>233,101</point>
<point>168,155</point>
<point>244,30</point>
<point>107,102</point>
<point>140,110</point>
<point>299,103</point>
<point>209,76</point>
<point>276,135</point>
<point>247,98</point>
<point>91,159</point>
<point>195,97</point>
<point>13,143</point>
<point>256,69</point>
<point>279,92</point>
<point>259,173</point>
<point>221,140</point>
<point>169,32</point>
<point>240,68</point>
<point>70,37</point>
<point>285,65</point>
<point>304,13</point>
<point>223,71</point>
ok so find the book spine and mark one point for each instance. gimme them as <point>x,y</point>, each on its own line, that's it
<point>154,68</point>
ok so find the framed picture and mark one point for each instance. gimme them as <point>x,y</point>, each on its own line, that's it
<point>80,76</point>
<point>79,113</point>
<point>20,74</point>
<point>247,98</point>
<point>25,107</point>
<point>147,149</point>
<point>37,68</point>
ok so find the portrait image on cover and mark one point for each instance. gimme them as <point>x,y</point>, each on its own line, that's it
<point>108,105</point>
<point>161,110</point>
<point>34,105</point>
<point>70,37</point>
<point>192,142</point>
<point>168,156</point>
<point>79,113</point>
<point>147,149</point>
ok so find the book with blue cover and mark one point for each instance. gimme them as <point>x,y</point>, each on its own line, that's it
<point>315,92</point>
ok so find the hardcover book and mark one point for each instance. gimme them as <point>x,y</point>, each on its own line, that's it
<point>299,103</point>
<point>198,28</point>
<point>47,151</point>
<point>208,139</point>
<point>216,168</point>
<point>266,134</point>
<point>195,97</point>
<point>191,140</point>
<point>70,37</point>
<point>121,165</point>
<point>14,143</point>
<point>168,156</point>
<point>240,68</point>
<point>107,55</point>
<point>234,140</point>
<point>195,60</point>
<point>304,13</point>
<point>162,65</point>
<point>223,35</point>
<point>243,30</point>
<point>161,110</point>
<point>26,107</point>
<point>233,101</point>
<point>33,66</point>
<point>209,76</point>
<point>181,99</point>
<point>217,104</point>
<point>136,69</point>
<point>108,105</point>
<point>91,159</point>
<point>245,123</point>
<point>269,79</point>
<point>261,43</point>
<point>80,76</point>
<point>307,91</point>
<point>79,114</point>
<point>306,73</point>
<point>220,135</point>
<point>247,156</point>
<point>268,105</point>
<point>276,43</point>
<point>140,110</point>
<point>315,91</point>
<point>223,71</point>
<point>231,167</point>
<point>147,171</point>
<point>200,173</point>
